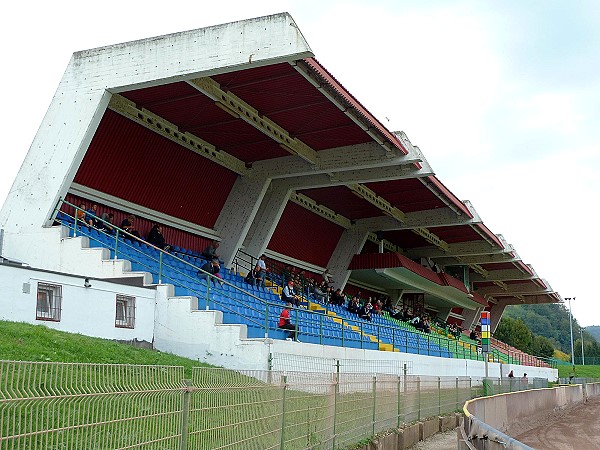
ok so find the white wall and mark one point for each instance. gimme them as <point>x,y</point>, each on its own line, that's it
<point>89,311</point>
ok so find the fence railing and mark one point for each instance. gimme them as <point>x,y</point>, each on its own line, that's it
<point>84,406</point>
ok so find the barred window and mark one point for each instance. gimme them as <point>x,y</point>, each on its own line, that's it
<point>49,302</point>
<point>125,314</point>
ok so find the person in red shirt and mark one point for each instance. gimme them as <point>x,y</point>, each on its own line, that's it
<point>286,324</point>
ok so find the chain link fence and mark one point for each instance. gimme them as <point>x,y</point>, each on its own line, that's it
<point>93,406</point>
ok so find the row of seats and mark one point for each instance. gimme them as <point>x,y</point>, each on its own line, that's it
<point>255,306</point>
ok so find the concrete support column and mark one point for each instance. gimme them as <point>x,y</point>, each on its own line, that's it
<point>496,314</point>
<point>471,317</point>
<point>267,218</point>
<point>443,313</point>
<point>237,215</point>
<point>350,243</point>
<point>395,295</point>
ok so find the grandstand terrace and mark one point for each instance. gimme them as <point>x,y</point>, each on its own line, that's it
<point>236,133</point>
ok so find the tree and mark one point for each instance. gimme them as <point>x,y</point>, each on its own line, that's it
<point>515,333</point>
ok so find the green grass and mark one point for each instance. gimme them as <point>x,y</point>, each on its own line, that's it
<point>24,342</point>
<point>580,371</point>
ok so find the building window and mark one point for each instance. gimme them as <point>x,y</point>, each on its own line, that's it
<point>125,314</point>
<point>49,300</point>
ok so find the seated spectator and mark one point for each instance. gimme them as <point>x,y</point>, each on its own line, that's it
<point>286,324</point>
<point>80,213</point>
<point>387,306</point>
<point>288,294</point>
<point>210,251</point>
<point>91,216</point>
<point>337,298</point>
<point>365,311</point>
<point>107,221</point>
<point>156,238</point>
<point>473,335</point>
<point>378,307</point>
<point>425,325</point>
<point>251,277</point>
<point>353,305</point>
<point>395,313</point>
<point>127,225</point>
<point>320,292</point>
<point>415,322</point>
<point>211,267</point>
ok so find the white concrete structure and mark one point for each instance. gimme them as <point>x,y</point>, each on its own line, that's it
<point>96,82</point>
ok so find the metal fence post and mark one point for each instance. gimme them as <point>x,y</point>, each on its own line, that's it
<point>439,395</point>
<point>116,243</point>
<point>208,283</point>
<point>336,390</point>
<point>405,372</point>
<point>282,441</point>
<point>457,395</point>
<point>185,415</point>
<point>419,398</point>
<point>399,402</point>
<point>160,267</point>
<point>374,402</point>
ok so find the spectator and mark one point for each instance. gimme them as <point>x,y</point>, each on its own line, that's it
<point>321,292</point>
<point>91,216</point>
<point>364,312</point>
<point>210,251</point>
<point>288,294</point>
<point>251,277</point>
<point>511,374</point>
<point>473,335</point>
<point>127,225</point>
<point>156,238</point>
<point>337,298</point>
<point>80,213</point>
<point>353,305</point>
<point>327,276</point>
<point>107,221</point>
<point>260,271</point>
<point>524,380</point>
<point>286,324</point>
<point>211,267</point>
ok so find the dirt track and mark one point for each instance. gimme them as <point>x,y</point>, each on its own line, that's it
<point>576,428</point>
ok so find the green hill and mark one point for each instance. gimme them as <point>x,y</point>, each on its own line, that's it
<point>24,342</point>
<point>551,321</point>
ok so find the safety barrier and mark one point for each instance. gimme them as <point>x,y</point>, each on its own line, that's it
<point>75,406</point>
<point>489,421</point>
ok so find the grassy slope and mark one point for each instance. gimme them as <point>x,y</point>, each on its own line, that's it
<point>24,342</point>
<point>580,371</point>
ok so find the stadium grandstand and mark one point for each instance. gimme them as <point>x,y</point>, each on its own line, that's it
<point>237,134</point>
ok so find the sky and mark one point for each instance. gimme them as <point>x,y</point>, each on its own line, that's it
<point>503,98</point>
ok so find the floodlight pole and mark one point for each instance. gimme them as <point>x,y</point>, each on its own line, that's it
<point>571,327</point>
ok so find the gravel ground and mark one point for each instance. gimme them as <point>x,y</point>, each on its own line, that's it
<point>440,441</point>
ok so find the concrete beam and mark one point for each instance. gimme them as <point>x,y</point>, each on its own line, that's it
<point>340,159</point>
<point>503,275</point>
<point>462,249</point>
<point>428,219</point>
<point>352,177</point>
<point>512,289</point>
<point>92,75</point>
